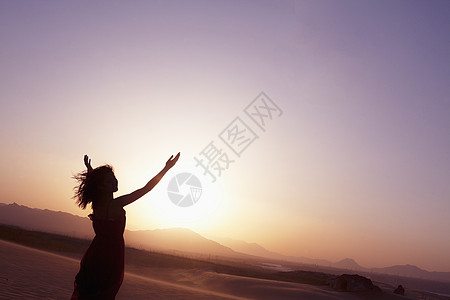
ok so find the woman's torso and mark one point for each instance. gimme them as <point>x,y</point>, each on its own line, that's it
<point>108,211</point>
<point>108,220</point>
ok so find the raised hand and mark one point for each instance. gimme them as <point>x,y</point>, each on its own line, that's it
<point>87,163</point>
<point>130,198</point>
<point>172,161</point>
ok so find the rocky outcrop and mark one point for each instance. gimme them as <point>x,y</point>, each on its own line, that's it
<point>400,290</point>
<point>353,283</point>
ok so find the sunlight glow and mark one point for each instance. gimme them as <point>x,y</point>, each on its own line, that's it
<point>159,211</point>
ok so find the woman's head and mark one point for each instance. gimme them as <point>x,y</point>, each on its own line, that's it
<point>94,184</point>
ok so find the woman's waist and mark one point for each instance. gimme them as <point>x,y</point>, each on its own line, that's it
<point>108,236</point>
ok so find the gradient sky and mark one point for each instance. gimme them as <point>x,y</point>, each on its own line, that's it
<point>357,166</point>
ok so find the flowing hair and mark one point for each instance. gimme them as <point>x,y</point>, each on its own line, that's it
<point>87,189</point>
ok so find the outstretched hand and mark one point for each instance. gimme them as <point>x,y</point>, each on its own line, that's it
<point>172,161</point>
<point>87,163</point>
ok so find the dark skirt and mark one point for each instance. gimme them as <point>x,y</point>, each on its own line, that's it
<point>102,266</point>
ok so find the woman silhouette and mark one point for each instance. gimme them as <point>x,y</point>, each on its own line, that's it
<point>102,266</point>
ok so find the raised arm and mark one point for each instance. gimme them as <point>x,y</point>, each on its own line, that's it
<point>127,199</point>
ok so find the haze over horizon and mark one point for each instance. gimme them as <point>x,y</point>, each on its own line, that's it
<point>356,165</point>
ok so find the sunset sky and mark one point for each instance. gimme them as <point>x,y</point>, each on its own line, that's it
<point>357,164</point>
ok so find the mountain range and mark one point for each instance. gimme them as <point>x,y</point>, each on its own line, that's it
<point>186,242</point>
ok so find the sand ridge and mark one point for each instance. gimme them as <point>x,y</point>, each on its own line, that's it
<point>27,273</point>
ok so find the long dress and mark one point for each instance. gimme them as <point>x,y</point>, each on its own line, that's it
<point>102,266</point>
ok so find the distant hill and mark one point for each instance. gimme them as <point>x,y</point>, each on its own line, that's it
<point>177,240</point>
<point>257,250</point>
<point>345,264</point>
<point>248,248</point>
<point>173,239</point>
<point>412,271</point>
<point>349,264</point>
<point>182,240</point>
<point>45,220</point>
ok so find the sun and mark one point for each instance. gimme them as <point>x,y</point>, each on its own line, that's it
<point>183,198</point>
<point>195,201</point>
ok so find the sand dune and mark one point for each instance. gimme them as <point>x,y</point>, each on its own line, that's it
<point>33,274</point>
<point>27,273</point>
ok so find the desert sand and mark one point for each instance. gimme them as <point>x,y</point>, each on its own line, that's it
<point>27,273</point>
